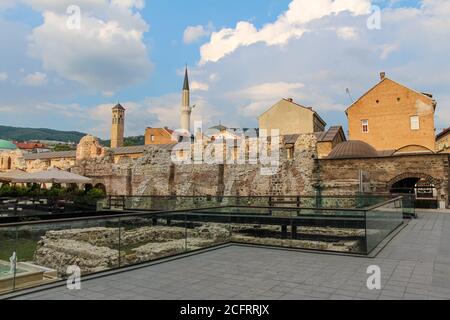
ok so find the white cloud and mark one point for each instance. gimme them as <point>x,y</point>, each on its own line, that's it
<point>271,90</point>
<point>105,54</point>
<point>291,24</point>
<point>213,77</point>
<point>159,111</point>
<point>108,93</point>
<point>262,96</point>
<point>36,79</point>
<point>323,59</point>
<point>195,33</point>
<point>3,76</point>
<point>387,49</point>
<point>8,109</point>
<point>199,86</point>
<point>347,33</point>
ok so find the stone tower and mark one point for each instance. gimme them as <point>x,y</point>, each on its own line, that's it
<point>118,126</point>
<point>186,109</point>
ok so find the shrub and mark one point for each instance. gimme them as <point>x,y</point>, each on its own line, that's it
<point>95,193</point>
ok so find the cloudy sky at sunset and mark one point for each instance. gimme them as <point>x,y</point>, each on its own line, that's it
<point>243,56</point>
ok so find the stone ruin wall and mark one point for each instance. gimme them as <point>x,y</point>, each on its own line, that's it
<point>341,176</point>
<point>155,174</point>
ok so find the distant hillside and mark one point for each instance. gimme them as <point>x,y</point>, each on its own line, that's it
<point>25,134</point>
<point>128,141</point>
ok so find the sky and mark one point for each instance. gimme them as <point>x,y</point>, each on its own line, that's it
<point>65,63</point>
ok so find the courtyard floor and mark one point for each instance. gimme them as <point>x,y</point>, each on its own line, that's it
<point>414,265</point>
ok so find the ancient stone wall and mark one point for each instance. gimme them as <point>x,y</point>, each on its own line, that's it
<point>11,160</point>
<point>155,174</point>
<point>342,176</point>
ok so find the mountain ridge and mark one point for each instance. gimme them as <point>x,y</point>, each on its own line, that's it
<point>26,134</point>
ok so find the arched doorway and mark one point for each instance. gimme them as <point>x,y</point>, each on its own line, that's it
<point>9,165</point>
<point>88,187</point>
<point>421,187</point>
<point>101,186</point>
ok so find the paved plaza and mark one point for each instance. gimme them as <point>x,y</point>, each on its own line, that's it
<point>414,265</point>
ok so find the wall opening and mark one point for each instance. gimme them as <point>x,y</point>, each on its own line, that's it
<point>422,188</point>
<point>101,186</point>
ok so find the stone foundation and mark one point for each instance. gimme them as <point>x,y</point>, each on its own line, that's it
<point>97,249</point>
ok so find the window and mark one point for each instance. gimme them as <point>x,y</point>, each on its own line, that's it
<point>415,123</point>
<point>290,153</point>
<point>365,126</point>
<point>152,138</point>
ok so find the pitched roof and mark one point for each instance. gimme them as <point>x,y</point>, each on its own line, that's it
<point>330,134</point>
<point>118,106</point>
<point>115,151</point>
<point>29,145</point>
<point>141,149</point>
<point>426,95</point>
<point>443,133</point>
<point>298,105</point>
<point>290,138</point>
<point>51,155</point>
<point>219,127</point>
<point>128,150</point>
<point>165,129</point>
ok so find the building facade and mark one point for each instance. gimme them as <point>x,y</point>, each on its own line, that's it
<point>328,140</point>
<point>158,136</point>
<point>443,141</point>
<point>291,118</point>
<point>391,116</point>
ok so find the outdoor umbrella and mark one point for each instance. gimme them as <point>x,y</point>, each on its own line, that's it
<point>11,175</point>
<point>52,176</point>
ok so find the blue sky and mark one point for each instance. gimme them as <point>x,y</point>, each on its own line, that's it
<point>243,56</point>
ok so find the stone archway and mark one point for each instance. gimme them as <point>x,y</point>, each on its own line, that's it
<point>421,188</point>
<point>409,175</point>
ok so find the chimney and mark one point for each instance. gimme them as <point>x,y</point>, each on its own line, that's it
<point>382,75</point>
<point>289,99</point>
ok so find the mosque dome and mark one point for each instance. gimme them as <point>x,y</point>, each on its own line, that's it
<point>6,145</point>
<point>353,149</point>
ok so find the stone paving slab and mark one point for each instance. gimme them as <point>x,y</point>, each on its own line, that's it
<point>414,265</point>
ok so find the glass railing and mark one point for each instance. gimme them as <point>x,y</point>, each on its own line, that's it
<point>335,230</point>
<point>42,252</point>
<point>189,202</point>
<point>38,253</point>
<point>36,206</point>
<point>382,220</point>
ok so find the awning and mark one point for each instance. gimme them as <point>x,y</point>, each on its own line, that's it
<point>52,176</point>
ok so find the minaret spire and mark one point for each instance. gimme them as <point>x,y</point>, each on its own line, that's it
<point>186,80</point>
<point>186,109</point>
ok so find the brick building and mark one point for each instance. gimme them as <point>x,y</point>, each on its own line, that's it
<point>158,136</point>
<point>391,116</point>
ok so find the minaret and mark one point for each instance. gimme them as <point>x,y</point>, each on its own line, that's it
<point>186,109</point>
<point>118,126</point>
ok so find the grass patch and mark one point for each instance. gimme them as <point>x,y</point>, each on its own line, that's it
<point>25,249</point>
